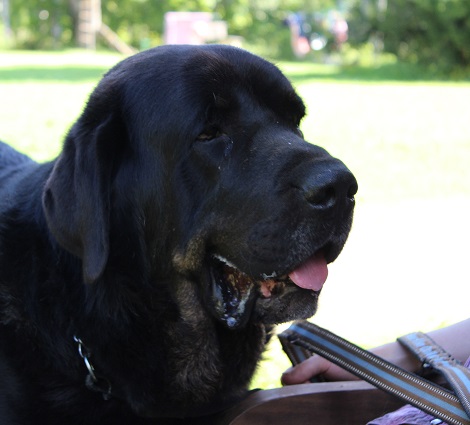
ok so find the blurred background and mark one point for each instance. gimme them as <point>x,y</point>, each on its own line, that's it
<point>434,33</point>
<point>387,89</point>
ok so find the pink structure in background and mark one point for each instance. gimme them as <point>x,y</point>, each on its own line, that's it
<point>193,28</point>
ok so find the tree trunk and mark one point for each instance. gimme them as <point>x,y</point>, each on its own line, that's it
<point>86,18</point>
<point>6,19</point>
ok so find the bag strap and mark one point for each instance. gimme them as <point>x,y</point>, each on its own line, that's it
<point>415,390</point>
<point>431,355</point>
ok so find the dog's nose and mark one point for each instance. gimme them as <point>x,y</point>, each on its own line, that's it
<point>330,185</point>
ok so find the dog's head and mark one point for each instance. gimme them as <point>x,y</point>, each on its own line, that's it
<point>188,166</point>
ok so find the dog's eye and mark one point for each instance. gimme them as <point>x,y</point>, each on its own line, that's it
<point>208,135</point>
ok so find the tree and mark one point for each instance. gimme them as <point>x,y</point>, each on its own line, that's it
<point>434,33</point>
<point>6,19</point>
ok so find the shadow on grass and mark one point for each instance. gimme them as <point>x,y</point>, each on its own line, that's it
<point>73,73</point>
<point>301,72</point>
<point>398,72</point>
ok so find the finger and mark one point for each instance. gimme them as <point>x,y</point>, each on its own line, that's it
<point>304,371</point>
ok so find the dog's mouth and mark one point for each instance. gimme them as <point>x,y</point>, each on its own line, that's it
<point>234,293</point>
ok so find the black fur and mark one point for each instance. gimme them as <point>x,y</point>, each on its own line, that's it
<point>181,154</point>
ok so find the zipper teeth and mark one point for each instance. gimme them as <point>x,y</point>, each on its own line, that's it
<point>409,376</point>
<point>456,386</point>
<point>392,390</point>
<point>436,390</point>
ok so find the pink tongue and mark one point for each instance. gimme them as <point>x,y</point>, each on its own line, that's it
<point>312,274</point>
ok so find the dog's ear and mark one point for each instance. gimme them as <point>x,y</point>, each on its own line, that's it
<point>76,196</point>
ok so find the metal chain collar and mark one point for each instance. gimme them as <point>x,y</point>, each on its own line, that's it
<point>92,381</point>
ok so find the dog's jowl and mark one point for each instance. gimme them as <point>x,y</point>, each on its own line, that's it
<point>141,271</point>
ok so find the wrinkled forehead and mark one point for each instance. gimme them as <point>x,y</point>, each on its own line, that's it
<point>176,86</point>
<point>224,78</point>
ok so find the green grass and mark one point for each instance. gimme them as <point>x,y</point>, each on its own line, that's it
<point>42,95</point>
<point>403,133</point>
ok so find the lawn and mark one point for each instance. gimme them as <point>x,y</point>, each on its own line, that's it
<point>406,139</point>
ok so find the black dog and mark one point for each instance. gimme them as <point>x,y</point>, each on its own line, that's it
<point>140,271</point>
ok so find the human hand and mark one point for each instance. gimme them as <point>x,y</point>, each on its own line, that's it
<point>315,366</point>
